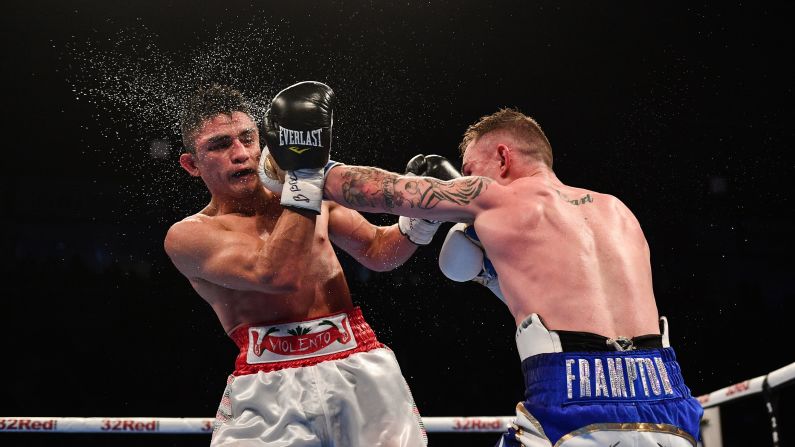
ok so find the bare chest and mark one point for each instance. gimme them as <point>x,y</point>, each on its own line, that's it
<point>264,226</point>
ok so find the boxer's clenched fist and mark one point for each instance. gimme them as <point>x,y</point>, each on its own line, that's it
<point>421,231</point>
<point>297,132</point>
<point>462,258</point>
<point>270,174</point>
<point>432,165</point>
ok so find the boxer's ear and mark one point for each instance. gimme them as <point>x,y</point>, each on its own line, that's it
<point>188,163</point>
<point>506,159</point>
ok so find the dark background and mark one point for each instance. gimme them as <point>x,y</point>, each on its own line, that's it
<point>683,110</point>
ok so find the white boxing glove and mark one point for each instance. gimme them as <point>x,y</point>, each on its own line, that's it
<point>419,231</point>
<point>271,176</point>
<point>463,258</point>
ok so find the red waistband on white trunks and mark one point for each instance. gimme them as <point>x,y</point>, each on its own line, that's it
<point>270,347</point>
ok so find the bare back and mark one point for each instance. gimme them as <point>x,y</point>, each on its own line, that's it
<point>577,258</point>
<point>322,290</point>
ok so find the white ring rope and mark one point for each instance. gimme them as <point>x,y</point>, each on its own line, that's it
<point>749,387</point>
<point>451,424</point>
<point>205,425</point>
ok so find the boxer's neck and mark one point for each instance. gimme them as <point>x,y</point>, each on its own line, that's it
<point>262,202</point>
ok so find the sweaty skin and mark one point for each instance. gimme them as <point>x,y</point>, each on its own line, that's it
<point>578,258</point>
<point>240,294</point>
<point>254,261</point>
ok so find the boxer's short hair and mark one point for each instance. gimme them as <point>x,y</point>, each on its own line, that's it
<point>523,127</point>
<point>206,103</point>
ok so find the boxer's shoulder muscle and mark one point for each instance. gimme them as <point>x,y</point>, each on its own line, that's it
<point>184,239</point>
<point>182,232</point>
<point>191,227</point>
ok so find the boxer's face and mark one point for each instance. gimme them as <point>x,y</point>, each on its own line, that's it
<point>480,160</point>
<point>227,153</point>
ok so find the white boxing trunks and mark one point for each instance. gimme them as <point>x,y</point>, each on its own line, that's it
<point>322,382</point>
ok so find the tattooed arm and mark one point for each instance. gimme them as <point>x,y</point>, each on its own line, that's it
<point>375,190</point>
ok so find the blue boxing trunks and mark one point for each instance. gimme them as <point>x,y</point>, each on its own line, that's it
<point>583,389</point>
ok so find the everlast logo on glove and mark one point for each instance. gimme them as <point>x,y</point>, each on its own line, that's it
<point>288,137</point>
<point>300,118</point>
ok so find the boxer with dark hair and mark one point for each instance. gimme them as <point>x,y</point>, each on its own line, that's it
<point>310,371</point>
<point>573,267</point>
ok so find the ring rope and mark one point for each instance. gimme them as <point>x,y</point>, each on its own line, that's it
<point>483,424</point>
<point>775,379</point>
<point>452,424</point>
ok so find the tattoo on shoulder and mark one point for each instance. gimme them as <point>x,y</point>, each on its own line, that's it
<point>576,202</point>
<point>376,188</point>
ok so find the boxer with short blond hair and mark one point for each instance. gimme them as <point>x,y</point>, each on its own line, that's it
<point>573,267</point>
<point>310,370</point>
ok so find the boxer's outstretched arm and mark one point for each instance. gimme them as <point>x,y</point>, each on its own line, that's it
<point>375,247</point>
<point>376,190</point>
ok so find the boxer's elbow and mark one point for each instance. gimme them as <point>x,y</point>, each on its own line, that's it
<point>385,261</point>
<point>372,261</point>
<point>375,260</point>
<point>381,265</point>
<point>387,251</point>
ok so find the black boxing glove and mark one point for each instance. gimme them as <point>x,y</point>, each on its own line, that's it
<point>432,166</point>
<point>297,126</point>
<point>421,231</point>
<point>297,132</point>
